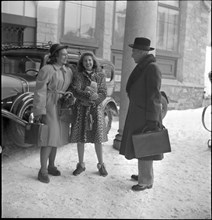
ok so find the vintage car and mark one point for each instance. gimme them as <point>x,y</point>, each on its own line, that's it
<point>20,66</point>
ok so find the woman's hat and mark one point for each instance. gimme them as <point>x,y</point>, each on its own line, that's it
<point>142,43</point>
<point>56,47</point>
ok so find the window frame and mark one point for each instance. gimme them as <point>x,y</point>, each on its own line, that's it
<point>167,55</point>
<point>114,46</point>
<point>83,43</point>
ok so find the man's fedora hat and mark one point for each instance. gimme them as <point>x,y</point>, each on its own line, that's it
<point>56,47</point>
<point>141,43</point>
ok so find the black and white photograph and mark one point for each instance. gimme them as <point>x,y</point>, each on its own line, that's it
<point>106,109</point>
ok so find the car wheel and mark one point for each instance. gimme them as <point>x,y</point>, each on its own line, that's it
<point>108,118</point>
<point>164,106</point>
<point>16,131</point>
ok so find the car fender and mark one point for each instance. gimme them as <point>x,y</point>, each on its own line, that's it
<point>20,102</point>
<point>164,104</point>
<point>13,117</point>
<point>110,103</point>
<point>165,96</point>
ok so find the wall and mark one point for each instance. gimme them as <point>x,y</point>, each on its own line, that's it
<point>187,91</point>
<point>108,28</point>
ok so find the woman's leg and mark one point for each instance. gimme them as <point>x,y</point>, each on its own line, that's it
<point>43,172</point>
<point>52,157</point>
<point>44,156</point>
<point>100,165</point>
<point>52,169</point>
<point>81,149</point>
<point>80,165</point>
<point>98,149</point>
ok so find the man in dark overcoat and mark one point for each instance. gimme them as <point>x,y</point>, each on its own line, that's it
<point>144,111</point>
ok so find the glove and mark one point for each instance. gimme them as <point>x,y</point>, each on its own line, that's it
<point>151,126</point>
<point>40,119</point>
<point>92,91</point>
<point>67,100</point>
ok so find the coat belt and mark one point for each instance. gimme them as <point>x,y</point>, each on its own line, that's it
<point>57,93</point>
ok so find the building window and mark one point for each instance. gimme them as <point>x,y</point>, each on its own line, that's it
<point>12,34</point>
<point>80,19</point>
<point>167,25</point>
<point>119,24</point>
<point>167,37</point>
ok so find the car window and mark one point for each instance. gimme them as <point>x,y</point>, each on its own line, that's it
<point>108,71</point>
<point>20,65</point>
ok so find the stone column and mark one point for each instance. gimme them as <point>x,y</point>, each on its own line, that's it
<point>141,21</point>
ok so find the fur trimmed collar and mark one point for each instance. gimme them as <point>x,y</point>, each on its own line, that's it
<point>138,70</point>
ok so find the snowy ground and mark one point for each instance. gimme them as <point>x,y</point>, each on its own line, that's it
<point>182,187</point>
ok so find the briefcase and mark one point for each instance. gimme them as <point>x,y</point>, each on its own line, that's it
<point>36,134</point>
<point>151,143</point>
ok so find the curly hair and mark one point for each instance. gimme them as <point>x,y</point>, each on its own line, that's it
<point>80,66</point>
<point>53,59</point>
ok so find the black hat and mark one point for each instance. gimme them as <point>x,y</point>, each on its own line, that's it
<point>141,43</point>
<point>56,47</point>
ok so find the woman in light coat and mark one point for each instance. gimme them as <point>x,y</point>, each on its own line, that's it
<point>52,81</point>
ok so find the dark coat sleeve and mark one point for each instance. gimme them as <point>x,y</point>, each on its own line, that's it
<point>153,97</point>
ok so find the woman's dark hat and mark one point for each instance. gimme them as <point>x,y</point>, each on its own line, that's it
<point>142,43</point>
<point>56,47</point>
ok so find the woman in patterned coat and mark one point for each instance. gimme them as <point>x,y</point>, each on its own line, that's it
<point>89,88</point>
<point>52,81</point>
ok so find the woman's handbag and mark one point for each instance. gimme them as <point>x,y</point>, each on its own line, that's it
<point>36,134</point>
<point>65,107</point>
<point>151,143</point>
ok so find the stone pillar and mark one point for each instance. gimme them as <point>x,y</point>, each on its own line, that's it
<point>141,21</point>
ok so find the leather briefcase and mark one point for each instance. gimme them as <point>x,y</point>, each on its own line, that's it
<point>36,134</point>
<point>151,143</point>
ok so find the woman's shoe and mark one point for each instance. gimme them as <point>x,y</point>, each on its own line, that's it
<point>102,169</point>
<point>79,169</point>
<point>54,171</point>
<point>140,188</point>
<point>43,177</point>
<point>134,177</point>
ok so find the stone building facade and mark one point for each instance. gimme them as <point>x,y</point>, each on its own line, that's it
<point>43,21</point>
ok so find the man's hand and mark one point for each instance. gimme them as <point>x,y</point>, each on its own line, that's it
<point>40,119</point>
<point>151,126</point>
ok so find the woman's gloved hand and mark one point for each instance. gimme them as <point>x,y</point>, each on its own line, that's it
<point>93,93</point>
<point>67,100</point>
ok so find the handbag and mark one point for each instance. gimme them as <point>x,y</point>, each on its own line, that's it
<point>36,134</point>
<point>151,143</point>
<point>65,107</point>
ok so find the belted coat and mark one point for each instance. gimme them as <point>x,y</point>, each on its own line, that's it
<point>52,81</point>
<point>143,90</point>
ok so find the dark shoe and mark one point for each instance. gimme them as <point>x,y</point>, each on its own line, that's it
<point>102,169</point>
<point>54,171</point>
<point>134,177</point>
<point>43,177</point>
<point>79,169</point>
<point>140,188</point>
